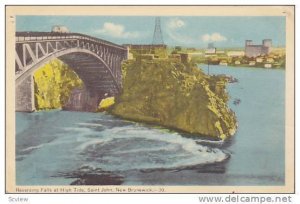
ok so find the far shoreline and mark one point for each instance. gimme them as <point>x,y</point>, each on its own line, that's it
<point>242,66</point>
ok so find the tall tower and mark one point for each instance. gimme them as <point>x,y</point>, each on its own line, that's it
<point>157,35</point>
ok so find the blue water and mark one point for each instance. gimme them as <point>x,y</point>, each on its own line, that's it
<point>50,145</point>
<point>258,148</point>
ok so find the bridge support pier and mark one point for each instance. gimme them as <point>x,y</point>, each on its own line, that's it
<point>93,101</point>
<point>25,95</point>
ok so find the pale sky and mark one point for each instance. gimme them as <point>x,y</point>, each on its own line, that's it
<point>177,30</point>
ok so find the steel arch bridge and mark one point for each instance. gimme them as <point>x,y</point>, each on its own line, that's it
<point>97,62</point>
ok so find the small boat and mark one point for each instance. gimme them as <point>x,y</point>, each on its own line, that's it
<point>231,79</point>
<point>237,101</point>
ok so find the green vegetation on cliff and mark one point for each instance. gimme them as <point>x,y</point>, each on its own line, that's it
<point>53,84</point>
<point>175,95</point>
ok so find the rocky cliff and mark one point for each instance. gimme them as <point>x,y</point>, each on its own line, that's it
<point>53,84</point>
<point>175,95</point>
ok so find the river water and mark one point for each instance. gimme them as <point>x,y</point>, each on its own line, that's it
<point>62,148</point>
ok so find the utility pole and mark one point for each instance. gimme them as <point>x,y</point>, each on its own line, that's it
<point>208,66</point>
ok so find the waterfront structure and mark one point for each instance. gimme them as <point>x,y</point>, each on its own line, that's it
<point>268,66</point>
<point>223,63</point>
<point>259,59</point>
<point>270,60</point>
<point>252,63</point>
<point>235,53</point>
<point>252,50</point>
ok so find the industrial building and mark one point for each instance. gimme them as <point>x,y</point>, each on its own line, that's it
<point>252,50</point>
<point>211,49</point>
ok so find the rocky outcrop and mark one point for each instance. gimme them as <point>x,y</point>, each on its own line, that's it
<point>53,84</point>
<point>175,95</point>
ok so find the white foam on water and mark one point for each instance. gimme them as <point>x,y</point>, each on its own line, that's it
<point>131,147</point>
<point>174,152</point>
<point>219,142</point>
<point>91,124</point>
<point>77,129</point>
<point>31,148</point>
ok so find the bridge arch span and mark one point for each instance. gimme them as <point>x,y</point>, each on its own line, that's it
<point>96,62</point>
<point>76,58</point>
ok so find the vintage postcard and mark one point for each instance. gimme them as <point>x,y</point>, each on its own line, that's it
<point>150,99</point>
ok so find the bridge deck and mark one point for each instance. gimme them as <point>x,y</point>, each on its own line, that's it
<point>36,36</point>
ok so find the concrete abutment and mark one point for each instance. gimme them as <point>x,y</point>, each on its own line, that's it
<point>25,95</point>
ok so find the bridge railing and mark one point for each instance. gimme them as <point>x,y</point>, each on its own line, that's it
<point>37,38</point>
<point>22,37</point>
